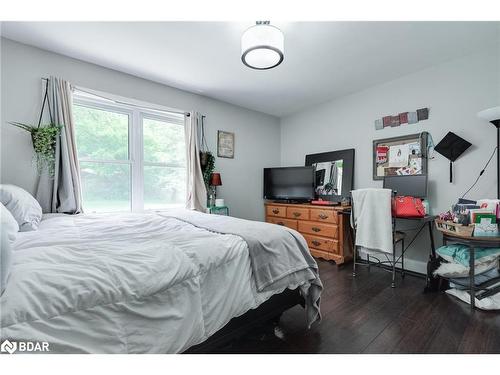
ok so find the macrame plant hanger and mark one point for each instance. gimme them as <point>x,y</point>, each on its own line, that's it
<point>45,100</point>
<point>204,145</point>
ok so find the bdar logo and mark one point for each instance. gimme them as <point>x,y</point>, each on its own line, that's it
<point>24,346</point>
<point>9,347</point>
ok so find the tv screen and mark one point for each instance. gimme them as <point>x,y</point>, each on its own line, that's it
<point>289,183</point>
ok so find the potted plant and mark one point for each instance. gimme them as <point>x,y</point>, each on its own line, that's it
<point>207,162</point>
<point>44,144</point>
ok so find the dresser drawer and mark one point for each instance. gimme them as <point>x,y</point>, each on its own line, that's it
<point>292,224</point>
<point>276,211</point>
<point>320,243</point>
<point>327,216</point>
<point>319,229</point>
<point>298,213</point>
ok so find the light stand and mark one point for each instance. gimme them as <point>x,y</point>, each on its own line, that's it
<point>497,124</point>
<point>493,115</point>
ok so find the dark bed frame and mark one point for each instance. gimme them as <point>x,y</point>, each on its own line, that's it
<point>270,310</point>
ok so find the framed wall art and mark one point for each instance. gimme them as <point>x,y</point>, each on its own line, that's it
<point>403,118</point>
<point>225,144</point>
<point>400,156</point>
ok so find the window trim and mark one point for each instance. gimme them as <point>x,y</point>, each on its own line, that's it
<point>136,115</point>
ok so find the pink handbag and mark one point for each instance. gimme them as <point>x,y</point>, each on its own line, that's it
<point>404,206</point>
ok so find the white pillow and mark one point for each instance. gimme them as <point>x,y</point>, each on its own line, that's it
<point>8,233</point>
<point>455,270</point>
<point>8,222</point>
<point>23,207</point>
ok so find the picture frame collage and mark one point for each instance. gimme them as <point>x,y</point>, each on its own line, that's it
<point>402,118</point>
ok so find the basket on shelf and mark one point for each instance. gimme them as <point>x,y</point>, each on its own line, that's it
<point>454,228</point>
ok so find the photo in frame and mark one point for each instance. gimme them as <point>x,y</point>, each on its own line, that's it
<point>328,177</point>
<point>400,156</point>
<point>225,144</point>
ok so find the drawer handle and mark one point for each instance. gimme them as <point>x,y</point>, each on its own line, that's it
<point>316,229</point>
<point>276,211</point>
<point>323,216</point>
<point>280,223</point>
<point>316,243</point>
<point>297,214</point>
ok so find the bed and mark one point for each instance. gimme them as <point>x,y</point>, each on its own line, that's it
<point>150,283</point>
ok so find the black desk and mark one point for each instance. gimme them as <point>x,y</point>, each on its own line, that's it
<point>426,221</point>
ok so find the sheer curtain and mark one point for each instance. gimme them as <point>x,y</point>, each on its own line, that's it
<point>62,193</point>
<point>196,190</point>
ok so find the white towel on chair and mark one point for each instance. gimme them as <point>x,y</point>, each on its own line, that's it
<point>373,220</point>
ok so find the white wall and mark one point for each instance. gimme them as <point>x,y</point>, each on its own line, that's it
<point>454,91</point>
<point>257,135</point>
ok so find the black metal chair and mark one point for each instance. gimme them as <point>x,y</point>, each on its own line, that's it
<point>397,237</point>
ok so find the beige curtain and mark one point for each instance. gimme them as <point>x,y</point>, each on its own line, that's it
<point>196,190</point>
<point>63,192</point>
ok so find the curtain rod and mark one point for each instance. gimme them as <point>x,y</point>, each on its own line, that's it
<point>187,114</point>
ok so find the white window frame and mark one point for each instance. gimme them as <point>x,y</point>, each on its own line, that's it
<point>136,115</point>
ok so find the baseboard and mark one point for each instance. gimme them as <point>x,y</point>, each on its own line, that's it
<point>416,266</point>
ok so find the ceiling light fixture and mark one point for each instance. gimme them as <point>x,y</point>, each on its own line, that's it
<point>262,46</point>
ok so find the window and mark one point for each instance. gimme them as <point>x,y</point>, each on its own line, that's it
<point>131,158</point>
<point>164,163</point>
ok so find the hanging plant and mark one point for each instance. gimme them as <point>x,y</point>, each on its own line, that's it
<point>203,159</point>
<point>44,140</point>
<point>207,161</point>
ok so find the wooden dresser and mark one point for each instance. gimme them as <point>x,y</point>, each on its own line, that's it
<point>324,228</point>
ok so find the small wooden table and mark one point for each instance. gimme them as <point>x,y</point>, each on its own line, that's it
<point>472,243</point>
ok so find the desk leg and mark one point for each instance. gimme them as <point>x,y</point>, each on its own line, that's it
<point>354,263</point>
<point>472,290</point>
<point>431,234</point>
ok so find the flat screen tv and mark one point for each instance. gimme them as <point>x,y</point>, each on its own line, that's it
<point>289,183</point>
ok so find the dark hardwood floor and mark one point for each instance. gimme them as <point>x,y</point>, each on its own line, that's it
<point>365,315</point>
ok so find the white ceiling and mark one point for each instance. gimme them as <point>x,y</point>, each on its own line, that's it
<point>323,60</point>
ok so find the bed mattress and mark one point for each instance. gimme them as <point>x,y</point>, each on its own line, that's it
<point>128,283</point>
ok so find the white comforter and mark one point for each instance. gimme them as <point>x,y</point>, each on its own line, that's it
<point>131,283</point>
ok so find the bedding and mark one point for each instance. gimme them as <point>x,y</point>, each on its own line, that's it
<point>24,208</point>
<point>487,303</point>
<point>462,283</point>
<point>9,224</point>
<point>128,283</point>
<point>460,254</point>
<point>454,270</point>
<point>8,233</point>
<point>279,256</point>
